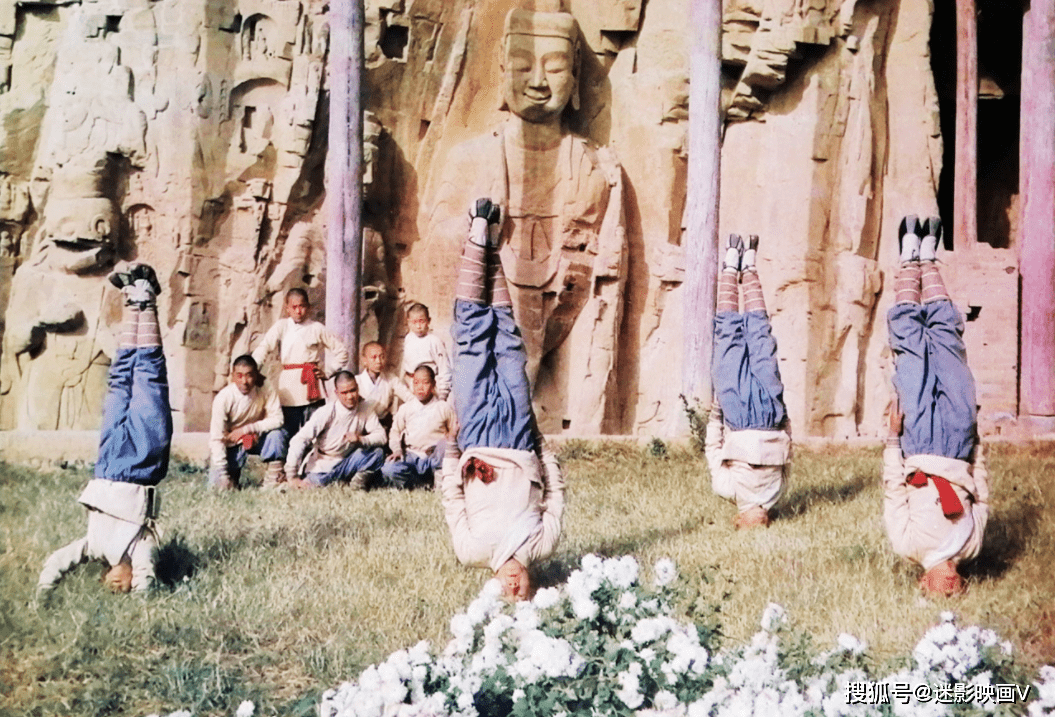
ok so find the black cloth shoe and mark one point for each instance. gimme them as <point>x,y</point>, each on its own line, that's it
<point>146,272</point>
<point>121,279</point>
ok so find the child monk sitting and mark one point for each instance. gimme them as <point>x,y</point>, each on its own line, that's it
<point>421,347</point>
<point>418,436</point>
<point>341,442</point>
<point>378,385</point>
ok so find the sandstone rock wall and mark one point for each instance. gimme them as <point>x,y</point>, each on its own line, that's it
<point>200,126</point>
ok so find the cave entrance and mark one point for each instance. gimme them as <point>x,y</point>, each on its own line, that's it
<point>999,80</point>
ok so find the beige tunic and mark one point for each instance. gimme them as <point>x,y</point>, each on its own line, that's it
<point>382,392</point>
<point>915,523</point>
<point>120,523</point>
<point>430,351</point>
<point>328,433</point>
<point>257,411</point>
<point>306,342</point>
<point>748,467</point>
<point>518,515</point>
<point>420,426</point>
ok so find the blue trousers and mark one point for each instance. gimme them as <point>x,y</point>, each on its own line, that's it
<point>136,434</point>
<point>273,447</point>
<point>492,396</point>
<point>932,379</point>
<point>413,470</point>
<point>744,372</point>
<point>361,459</point>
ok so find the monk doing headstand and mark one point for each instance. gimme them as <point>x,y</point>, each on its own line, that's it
<point>936,489</point>
<point>503,492</point>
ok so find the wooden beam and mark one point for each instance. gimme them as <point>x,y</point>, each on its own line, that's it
<point>965,194</point>
<point>701,210</point>
<point>344,171</point>
<point>1036,239</point>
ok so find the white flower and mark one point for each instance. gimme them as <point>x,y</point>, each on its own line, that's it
<point>584,608</point>
<point>665,700</point>
<point>518,694</point>
<point>772,617</point>
<point>650,629</point>
<point>525,617</point>
<point>419,654</point>
<point>948,616</point>
<point>664,572</point>
<point>245,709</point>
<point>497,627</point>
<point>546,598</point>
<point>629,686</point>
<point>592,565</point>
<point>849,643</point>
<point>627,601</point>
<point>621,572</point>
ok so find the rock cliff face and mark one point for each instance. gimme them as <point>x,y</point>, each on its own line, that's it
<point>192,134</point>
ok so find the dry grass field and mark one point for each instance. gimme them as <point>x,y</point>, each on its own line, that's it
<point>274,598</point>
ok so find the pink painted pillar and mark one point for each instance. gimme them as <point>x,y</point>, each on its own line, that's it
<point>965,182</point>
<point>344,173</point>
<point>1036,240</point>
<point>701,211</point>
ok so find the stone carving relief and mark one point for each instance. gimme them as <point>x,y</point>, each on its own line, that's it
<point>379,295</point>
<point>760,37</point>
<point>57,341</point>
<point>563,234</point>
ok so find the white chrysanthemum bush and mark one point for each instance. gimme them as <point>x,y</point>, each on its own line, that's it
<point>604,643</point>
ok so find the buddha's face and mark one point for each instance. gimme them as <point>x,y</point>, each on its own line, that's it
<point>539,76</point>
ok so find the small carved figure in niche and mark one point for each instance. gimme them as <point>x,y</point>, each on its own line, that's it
<point>563,238</point>
<point>258,45</point>
<point>141,223</point>
<point>8,248</point>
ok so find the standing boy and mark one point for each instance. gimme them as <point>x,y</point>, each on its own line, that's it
<point>421,347</point>
<point>302,345</point>
<point>748,445</point>
<point>379,386</point>
<point>134,445</point>
<point>418,436</point>
<point>502,491</point>
<point>935,482</point>
<point>342,441</point>
<point>246,418</point>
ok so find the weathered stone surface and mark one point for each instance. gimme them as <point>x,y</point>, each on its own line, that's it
<point>191,134</point>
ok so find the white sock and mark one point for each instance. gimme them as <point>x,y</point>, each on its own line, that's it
<point>910,248</point>
<point>732,260</point>
<point>928,248</point>
<point>478,231</point>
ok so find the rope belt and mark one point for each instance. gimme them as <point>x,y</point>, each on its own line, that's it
<point>950,502</point>
<point>476,468</point>
<point>307,377</point>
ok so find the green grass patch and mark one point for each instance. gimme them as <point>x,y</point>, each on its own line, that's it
<point>275,598</point>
